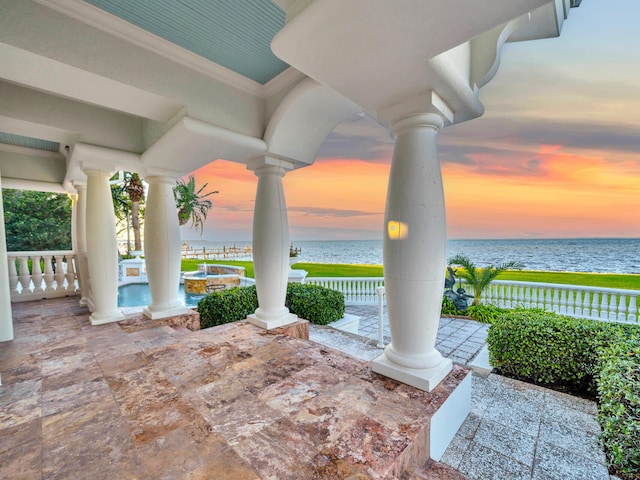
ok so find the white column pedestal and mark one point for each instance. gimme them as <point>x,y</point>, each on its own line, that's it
<point>414,250</point>
<point>102,249</point>
<point>271,248</point>
<point>162,250</point>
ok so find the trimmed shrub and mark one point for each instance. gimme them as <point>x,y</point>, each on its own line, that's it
<point>618,381</point>
<point>481,313</point>
<point>317,304</point>
<point>546,348</point>
<point>225,306</point>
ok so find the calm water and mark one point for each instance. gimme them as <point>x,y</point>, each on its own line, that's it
<point>611,255</point>
<point>136,294</point>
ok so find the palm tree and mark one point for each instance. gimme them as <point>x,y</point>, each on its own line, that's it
<point>192,205</point>
<point>135,189</point>
<point>479,278</point>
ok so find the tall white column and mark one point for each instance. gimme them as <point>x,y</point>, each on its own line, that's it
<point>162,249</point>
<point>414,250</point>
<point>6,317</point>
<point>271,246</point>
<point>102,249</point>
<point>79,232</point>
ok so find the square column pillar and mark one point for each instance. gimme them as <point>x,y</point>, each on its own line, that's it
<point>162,249</point>
<point>271,245</point>
<point>102,249</point>
<point>6,317</point>
<point>414,251</point>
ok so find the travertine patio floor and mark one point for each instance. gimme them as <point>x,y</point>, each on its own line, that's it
<point>233,402</point>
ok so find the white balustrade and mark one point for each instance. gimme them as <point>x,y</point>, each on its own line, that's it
<point>33,284</point>
<point>356,290</point>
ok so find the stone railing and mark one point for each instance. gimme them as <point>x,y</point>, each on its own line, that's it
<point>605,304</point>
<point>356,290</point>
<point>52,274</point>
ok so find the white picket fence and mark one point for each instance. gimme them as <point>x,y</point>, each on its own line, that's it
<point>605,304</point>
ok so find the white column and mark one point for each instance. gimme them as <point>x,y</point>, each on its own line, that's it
<point>79,237</point>
<point>271,246</point>
<point>6,317</point>
<point>414,249</point>
<point>162,249</point>
<point>102,249</point>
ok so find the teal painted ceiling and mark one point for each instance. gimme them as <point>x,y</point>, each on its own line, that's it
<point>28,142</point>
<point>236,34</point>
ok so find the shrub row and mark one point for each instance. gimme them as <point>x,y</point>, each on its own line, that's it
<point>583,356</point>
<point>618,381</point>
<point>317,304</point>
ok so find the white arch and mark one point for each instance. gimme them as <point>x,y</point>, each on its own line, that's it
<point>303,120</point>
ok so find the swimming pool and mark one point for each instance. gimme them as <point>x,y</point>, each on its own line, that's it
<point>139,295</point>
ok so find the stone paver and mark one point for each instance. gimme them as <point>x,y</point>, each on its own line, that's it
<point>515,431</point>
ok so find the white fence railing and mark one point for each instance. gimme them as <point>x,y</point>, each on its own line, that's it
<point>356,290</point>
<point>605,304</point>
<point>52,274</point>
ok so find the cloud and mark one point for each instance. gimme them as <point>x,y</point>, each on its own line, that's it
<point>363,140</point>
<point>331,212</point>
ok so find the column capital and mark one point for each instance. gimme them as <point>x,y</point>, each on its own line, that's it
<point>266,165</point>
<point>159,179</point>
<point>414,121</point>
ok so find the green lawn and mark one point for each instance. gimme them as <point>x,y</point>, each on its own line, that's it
<point>629,282</point>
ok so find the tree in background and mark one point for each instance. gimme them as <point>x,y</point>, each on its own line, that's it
<point>36,220</point>
<point>192,205</point>
<point>135,189</point>
<point>122,209</point>
<point>479,278</point>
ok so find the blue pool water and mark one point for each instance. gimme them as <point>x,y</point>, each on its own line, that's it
<point>138,294</point>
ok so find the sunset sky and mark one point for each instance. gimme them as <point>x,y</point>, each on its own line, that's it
<point>556,155</point>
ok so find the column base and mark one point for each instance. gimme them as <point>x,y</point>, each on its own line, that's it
<point>270,323</point>
<point>423,378</point>
<point>98,318</point>
<point>165,312</point>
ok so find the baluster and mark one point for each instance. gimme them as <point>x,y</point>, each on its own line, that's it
<point>25,276</point>
<point>520,296</point>
<point>59,275</point>
<point>71,274</point>
<point>562,301</point>
<point>604,306</point>
<point>613,306</point>
<point>622,309</point>
<point>632,311</point>
<point>577,310</point>
<point>36,274</point>
<point>548,299</point>
<point>533,301</point>
<point>527,296</point>
<point>13,276</point>
<point>48,273</point>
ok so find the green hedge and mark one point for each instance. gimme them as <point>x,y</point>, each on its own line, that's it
<point>225,306</point>
<point>618,382</point>
<point>317,304</point>
<point>480,313</point>
<point>545,348</point>
<point>583,356</point>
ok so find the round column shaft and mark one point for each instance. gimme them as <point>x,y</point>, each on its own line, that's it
<point>414,250</point>
<point>102,249</point>
<point>6,317</point>
<point>271,249</point>
<point>79,232</point>
<point>162,249</point>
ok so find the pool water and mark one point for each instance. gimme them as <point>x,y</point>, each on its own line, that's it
<point>139,295</point>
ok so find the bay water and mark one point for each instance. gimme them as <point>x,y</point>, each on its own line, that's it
<point>600,255</point>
